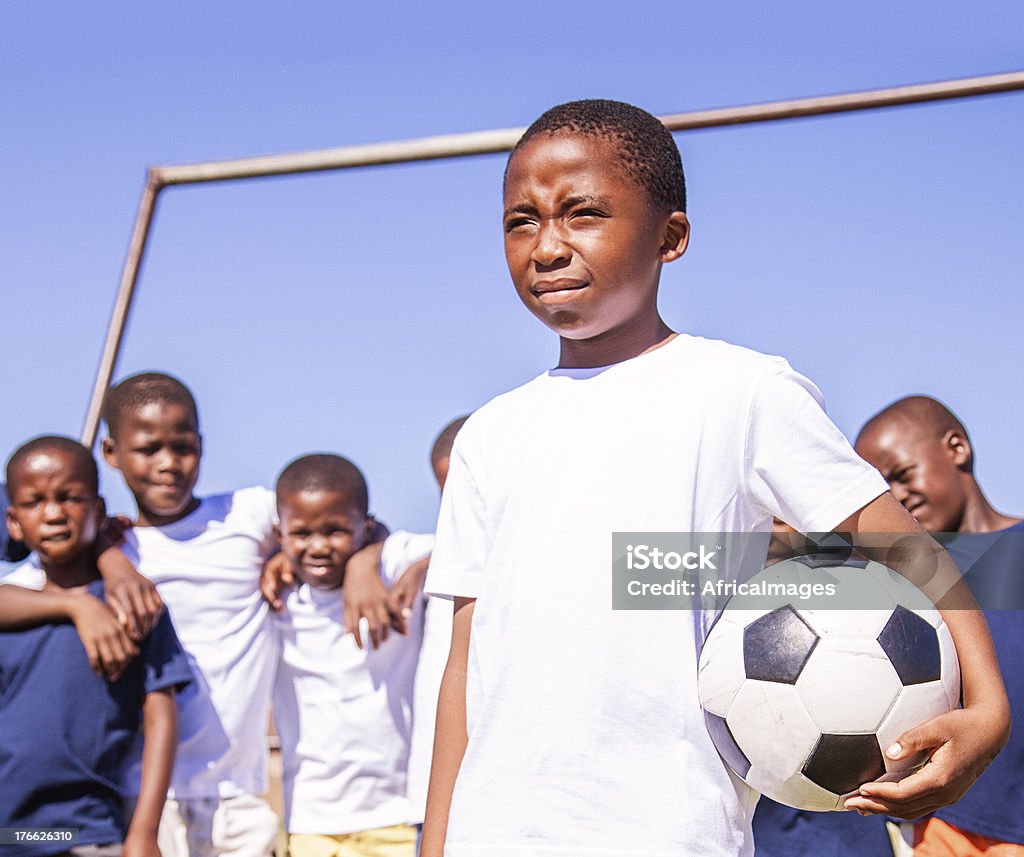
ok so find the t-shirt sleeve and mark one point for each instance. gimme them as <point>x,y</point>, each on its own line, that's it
<point>401,550</point>
<point>800,466</point>
<point>460,549</point>
<point>165,662</point>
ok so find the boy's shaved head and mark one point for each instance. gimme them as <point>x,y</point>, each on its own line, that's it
<point>79,455</point>
<point>445,440</point>
<point>324,472</point>
<point>920,416</point>
<point>646,149</point>
<point>134,392</point>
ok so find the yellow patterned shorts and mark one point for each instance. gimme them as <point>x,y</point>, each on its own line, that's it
<point>399,840</point>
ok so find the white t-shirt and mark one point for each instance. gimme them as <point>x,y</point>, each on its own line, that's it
<point>344,714</point>
<point>586,736</point>
<point>207,569</point>
<point>437,642</point>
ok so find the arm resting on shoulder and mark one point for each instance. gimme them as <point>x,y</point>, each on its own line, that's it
<point>962,742</point>
<point>107,644</point>
<point>450,734</point>
<point>132,597</point>
<point>160,741</point>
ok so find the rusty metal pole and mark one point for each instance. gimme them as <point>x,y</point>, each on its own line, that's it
<point>122,305</point>
<point>463,145</point>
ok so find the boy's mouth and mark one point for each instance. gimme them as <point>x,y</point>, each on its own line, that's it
<point>557,291</point>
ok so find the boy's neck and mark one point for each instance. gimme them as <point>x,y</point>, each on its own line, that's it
<point>79,573</point>
<point>150,519</point>
<point>615,346</point>
<point>981,517</point>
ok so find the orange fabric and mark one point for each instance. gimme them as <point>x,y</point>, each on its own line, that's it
<point>933,837</point>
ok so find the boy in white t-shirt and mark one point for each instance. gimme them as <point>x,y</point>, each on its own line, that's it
<point>566,728</point>
<point>205,555</point>
<point>343,713</point>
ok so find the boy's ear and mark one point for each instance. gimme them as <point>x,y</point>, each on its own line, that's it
<point>14,529</point>
<point>676,237</point>
<point>109,449</point>
<point>959,447</point>
<point>277,534</point>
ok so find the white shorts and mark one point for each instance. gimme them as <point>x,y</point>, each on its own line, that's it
<point>242,826</point>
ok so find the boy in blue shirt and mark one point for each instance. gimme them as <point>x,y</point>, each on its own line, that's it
<point>924,453</point>
<point>66,730</point>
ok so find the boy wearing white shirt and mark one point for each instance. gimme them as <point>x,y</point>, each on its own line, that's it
<point>565,728</point>
<point>344,714</point>
<point>205,556</point>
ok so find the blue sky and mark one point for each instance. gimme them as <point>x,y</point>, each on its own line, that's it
<point>359,311</point>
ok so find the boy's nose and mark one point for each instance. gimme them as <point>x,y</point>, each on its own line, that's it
<point>550,249</point>
<point>899,491</point>
<point>166,460</point>
<point>53,511</point>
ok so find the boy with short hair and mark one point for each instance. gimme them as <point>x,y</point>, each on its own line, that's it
<point>205,556</point>
<point>579,731</point>
<point>65,731</point>
<point>923,451</point>
<point>343,713</point>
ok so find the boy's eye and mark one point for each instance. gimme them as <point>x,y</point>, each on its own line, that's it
<point>514,223</point>
<point>588,212</point>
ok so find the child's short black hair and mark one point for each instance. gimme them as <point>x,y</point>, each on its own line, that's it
<point>324,472</point>
<point>53,443</point>
<point>442,447</point>
<point>646,148</point>
<point>136,391</point>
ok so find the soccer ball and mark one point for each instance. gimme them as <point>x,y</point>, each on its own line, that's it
<point>802,693</point>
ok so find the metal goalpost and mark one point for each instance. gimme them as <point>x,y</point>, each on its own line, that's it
<point>464,145</point>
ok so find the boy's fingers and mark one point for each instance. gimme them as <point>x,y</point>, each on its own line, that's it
<point>141,619</point>
<point>110,664</point>
<point>352,625</point>
<point>127,615</point>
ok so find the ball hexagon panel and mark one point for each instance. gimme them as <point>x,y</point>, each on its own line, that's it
<point>723,650</point>
<point>916,703</point>
<point>843,763</point>
<point>837,665</point>
<point>761,711</point>
<point>912,646</point>
<point>835,622</point>
<point>776,646</point>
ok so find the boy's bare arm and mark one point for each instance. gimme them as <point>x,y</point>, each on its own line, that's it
<point>132,597</point>
<point>962,742</point>
<point>408,588</point>
<point>160,740</point>
<point>368,598</point>
<point>449,734</point>
<point>106,642</point>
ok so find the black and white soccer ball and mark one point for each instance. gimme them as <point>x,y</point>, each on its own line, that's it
<point>802,696</point>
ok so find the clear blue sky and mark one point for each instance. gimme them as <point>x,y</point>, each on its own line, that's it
<point>880,252</point>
